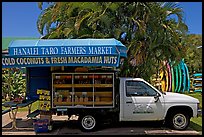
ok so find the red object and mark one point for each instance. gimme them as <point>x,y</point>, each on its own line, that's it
<point>18,100</point>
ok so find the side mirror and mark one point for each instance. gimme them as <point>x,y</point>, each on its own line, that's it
<point>156,97</point>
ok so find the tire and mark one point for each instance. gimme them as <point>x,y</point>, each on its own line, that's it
<point>179,120</point>
<point>88,123</point>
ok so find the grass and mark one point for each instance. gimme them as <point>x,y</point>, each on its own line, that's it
<point>196,123</point>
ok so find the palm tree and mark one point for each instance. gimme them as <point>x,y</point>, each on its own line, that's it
<point>152,35</point>
<point>71,19</point>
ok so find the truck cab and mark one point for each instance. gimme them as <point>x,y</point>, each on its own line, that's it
<point>140,101</point>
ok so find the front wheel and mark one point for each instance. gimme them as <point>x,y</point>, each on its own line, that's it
<point>179,120</point>
<point>88,123</point>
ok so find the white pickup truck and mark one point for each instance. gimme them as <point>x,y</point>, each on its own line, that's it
<point>140,101</point>
<point>137,100</point>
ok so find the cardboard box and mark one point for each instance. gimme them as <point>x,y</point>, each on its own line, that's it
<point>43,92</point>
<point>45,105</point>
<point>43,97</point>
<point>46,117</point>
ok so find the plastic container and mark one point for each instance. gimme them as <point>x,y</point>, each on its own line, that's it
<point>41,125</point>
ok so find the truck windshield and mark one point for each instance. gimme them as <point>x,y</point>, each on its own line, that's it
<point>139,88</point>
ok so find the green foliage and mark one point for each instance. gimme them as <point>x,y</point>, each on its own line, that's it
<point>193,54</point>
<point>152,34</point>
<point>13,82</point>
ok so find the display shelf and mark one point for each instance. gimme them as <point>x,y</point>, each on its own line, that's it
<point>83,103</point>
<point>104,93</point>
<point>95,103</point>
<point>87,93</point>
<point>62,103</point>
<point>82,85</point>
<point>62,85</point>
<point>104,103</point>
<point>91,90</point>
<point>103,85</point>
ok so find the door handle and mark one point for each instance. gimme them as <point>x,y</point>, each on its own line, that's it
<point>128,101</point>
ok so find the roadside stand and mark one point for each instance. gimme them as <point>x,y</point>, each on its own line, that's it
<point>64,75</point>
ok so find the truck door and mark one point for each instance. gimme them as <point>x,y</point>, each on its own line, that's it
<point>140,103</point>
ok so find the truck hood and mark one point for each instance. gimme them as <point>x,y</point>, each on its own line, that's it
<point>177,97</point>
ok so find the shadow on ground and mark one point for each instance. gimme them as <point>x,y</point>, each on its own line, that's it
<point>26,123</point>
<point>195,126</point>
<point>72,127</point>
<point>121,128</point>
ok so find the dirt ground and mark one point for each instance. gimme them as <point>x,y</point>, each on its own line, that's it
<point>63,127</point>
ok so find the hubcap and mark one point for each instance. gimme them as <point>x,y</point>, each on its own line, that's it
<point>88,122</point>
<point>179,120</point>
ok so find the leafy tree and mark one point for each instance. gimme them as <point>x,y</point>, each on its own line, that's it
<point>151,34</point>
<point>193,56</point>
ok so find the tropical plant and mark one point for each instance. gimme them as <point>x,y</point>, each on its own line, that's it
<point>148,29</point>
<point>13,83</point>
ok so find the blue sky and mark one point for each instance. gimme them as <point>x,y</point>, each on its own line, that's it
<point>19,18</point>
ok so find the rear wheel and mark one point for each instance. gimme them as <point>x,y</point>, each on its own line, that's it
<point>88,123</point>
